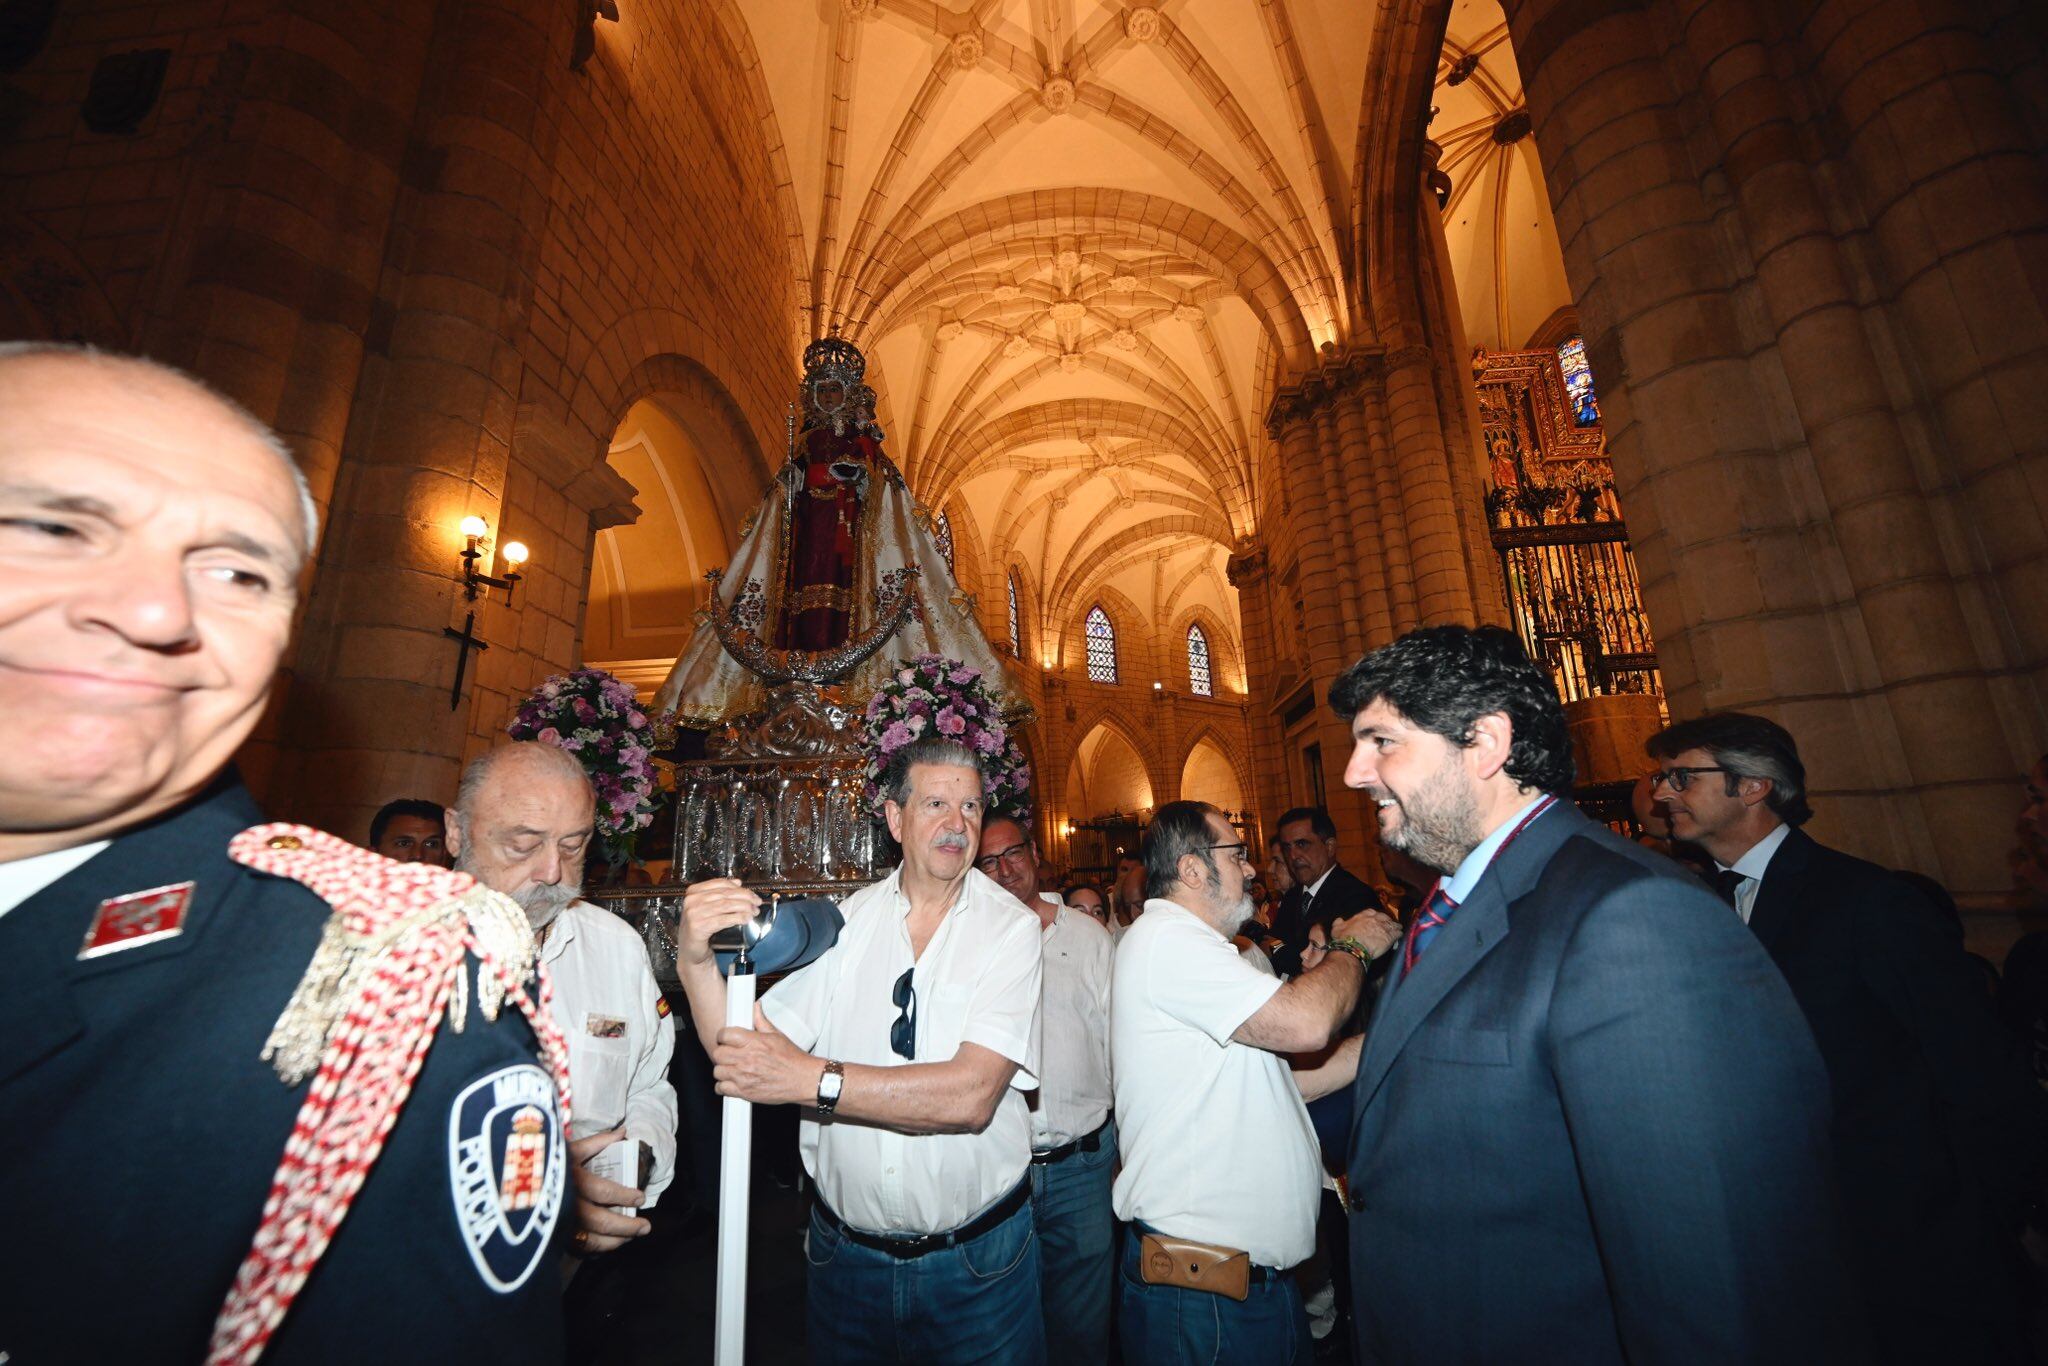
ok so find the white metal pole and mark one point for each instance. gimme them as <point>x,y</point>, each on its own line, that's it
<point>735,1172</point>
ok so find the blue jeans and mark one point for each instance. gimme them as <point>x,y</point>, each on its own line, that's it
<point>1161,1325</point>
<point>1076,1251</point>
<point>971,1305</point>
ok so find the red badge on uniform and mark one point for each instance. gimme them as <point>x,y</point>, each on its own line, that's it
<point>125,922</point>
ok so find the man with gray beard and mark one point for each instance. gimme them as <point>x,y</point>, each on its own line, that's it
<point>521,825</point>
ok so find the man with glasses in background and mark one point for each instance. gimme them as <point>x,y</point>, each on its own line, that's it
<point>913,1041</point>
<point>1937,1130</point>
<point>1197,1036</point>
<point>1073,1142</point>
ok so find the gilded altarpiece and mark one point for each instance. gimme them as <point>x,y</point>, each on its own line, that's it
<point>1557,529</point>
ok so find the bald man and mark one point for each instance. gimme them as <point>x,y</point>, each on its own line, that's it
<point>522,823</point>
<point>169,993</point>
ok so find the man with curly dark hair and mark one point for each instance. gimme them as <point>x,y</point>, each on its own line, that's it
<point>1591,1124</point>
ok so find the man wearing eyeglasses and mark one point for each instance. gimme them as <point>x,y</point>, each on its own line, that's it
<point>1197,1036</point>
<point>1073,1142</point>
<point>1937,1131</point>
<point>912,1041</point>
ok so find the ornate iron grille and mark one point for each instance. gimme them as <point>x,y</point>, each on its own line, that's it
<point>1571,580</point>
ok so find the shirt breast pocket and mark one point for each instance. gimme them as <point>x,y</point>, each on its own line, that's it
<point>600,1071</point>
<point>938,1033</point>
<point>1473,1047</point>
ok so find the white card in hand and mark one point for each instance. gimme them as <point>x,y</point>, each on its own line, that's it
<point>621,1163</point>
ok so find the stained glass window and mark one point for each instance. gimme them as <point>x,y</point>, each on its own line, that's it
<point>942,531</point>
<point>1578,382</point>
<point>1198,664</point>
<point>1016,636</point>
<point>1101,647</point>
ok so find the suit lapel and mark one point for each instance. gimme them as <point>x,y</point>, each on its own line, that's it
<point>1459,946</point>
<point>1778,895</point>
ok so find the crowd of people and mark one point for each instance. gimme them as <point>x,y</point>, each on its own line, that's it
<point>1531,1089</point>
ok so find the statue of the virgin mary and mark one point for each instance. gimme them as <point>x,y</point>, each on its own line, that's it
<point>838,576</point>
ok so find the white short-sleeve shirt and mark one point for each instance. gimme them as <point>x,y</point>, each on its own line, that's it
<point>612,1016</point>
<point>978,982</point>
<point>1193,1108</point>
<point>1073,1022</point>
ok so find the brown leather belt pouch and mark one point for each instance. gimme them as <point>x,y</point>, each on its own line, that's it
<point>1194,1266</point>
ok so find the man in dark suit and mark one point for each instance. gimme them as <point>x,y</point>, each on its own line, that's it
<point>1307,840</point>
<point>1591,1124</point>
<point>1937,1132</point>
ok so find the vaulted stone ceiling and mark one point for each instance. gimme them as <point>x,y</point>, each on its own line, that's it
<point>1072,237</point>
<point>1497,223</point>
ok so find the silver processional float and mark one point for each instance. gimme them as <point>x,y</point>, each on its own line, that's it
<point>838,562</point>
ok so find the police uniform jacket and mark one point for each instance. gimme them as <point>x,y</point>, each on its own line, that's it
<point>143,1128</point>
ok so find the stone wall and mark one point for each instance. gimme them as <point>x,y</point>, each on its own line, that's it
<point>443,264</point>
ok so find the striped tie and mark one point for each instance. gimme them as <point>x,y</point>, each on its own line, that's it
<point>1436,909</point>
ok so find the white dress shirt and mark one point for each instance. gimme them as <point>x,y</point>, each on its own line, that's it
<point>977,982</point>
<point>1073,1028</point>
<point>1193,1107</point>
<point>1460,884</point>
<point>619,1035</point>
<point>22,878</point>
<point>1752,866</point>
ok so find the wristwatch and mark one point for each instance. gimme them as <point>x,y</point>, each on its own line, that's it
<point>1352,947</point>
<point>829,1086</point>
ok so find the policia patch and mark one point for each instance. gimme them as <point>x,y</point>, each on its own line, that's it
<point>507,1166</point>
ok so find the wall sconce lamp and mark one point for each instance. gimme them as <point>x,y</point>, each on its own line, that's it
<point>1157,686</point>
<point>478,533</point>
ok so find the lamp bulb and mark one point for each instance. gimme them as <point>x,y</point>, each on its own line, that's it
<point>476,528</point>
<point>515,553</point>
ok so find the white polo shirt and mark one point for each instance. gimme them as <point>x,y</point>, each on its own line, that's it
<point>619,1035</point>
<point>1192,1107</point>
<point>1073,1028</point>
<point>978,982</point>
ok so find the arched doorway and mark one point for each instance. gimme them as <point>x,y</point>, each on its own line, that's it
<point>1109,797</point>
<point>647,579</point>
<point>1209,776</point>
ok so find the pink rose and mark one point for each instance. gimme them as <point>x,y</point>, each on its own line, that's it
<point>949,722</point>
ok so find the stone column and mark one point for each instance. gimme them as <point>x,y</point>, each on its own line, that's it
<point>1925,662</point>
<point>1318,578</point>
<point>1789,561</point>
<point>1250,575</point>
<point>1387,497</point>
<point>1443,589</point>
<point>1370,567</point>
<point>1954,188</point>
<point>432,440</point>
<point>1344,547</point>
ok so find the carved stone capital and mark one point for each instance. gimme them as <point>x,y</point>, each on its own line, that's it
<point>565,457</point>
<point>1248,564</point>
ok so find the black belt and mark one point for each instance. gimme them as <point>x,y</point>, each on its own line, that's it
<point>919,1244</point>
<point>1087,1143</point>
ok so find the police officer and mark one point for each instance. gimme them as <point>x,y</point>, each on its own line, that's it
<point>172,1015</point>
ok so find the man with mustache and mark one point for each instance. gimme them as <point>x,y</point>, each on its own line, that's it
<point>1591,1125</point>
<point>521,825</point>
<point>205,1150</point>
<point>913,1041</point>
